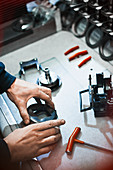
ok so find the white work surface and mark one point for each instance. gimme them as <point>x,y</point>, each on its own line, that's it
<point>98,131</point>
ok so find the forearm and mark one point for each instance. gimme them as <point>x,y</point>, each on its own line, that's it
<point>6,79</point>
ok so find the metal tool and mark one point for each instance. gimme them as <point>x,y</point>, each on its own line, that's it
<point>72,140</point>
<point>94,146</point>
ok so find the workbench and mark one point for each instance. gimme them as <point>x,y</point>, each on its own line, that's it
<point>98,131</point>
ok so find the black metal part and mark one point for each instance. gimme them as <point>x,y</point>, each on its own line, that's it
<point>107,26</point>
<point>80,26</point>
<point>49,79</point>
<point>80,95</point>
<point>41,112</point>
<point>108,9</point>
<point>96,3</point>
<point>97,13</point>
<point>87,10</point>
<point>94,36</point>
<point>68,12</point>
<point>100,102</point>
<point>68,18</point>
<point>106,48</point>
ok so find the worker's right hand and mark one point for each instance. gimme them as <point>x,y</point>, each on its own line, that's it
<point>21,91</point>
<point>33,140</point>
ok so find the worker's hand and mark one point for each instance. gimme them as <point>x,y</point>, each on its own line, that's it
<point>33,140</point>
<point>21,91</point>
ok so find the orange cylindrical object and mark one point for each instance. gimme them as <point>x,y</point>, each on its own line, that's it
<point>71,139</point>
<point>71,50</point>
<point>79,141</point>
<point>78,54</point>
<point>84,61</point>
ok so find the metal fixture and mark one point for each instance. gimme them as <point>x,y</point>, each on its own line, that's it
<point>46,77</point>
<point>100,96</point>
<point>41,112</point>
<point>49,79</point>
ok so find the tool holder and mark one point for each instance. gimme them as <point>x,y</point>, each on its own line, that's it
<point>96,11</point>
<point>68,14</point>
<point>92,19</point>
<point>105,48</point>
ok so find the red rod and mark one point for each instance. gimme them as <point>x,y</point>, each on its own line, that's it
<point>71,139</point>
<point>78,54</point>
<point>84,61</point>
<point>71,50</point>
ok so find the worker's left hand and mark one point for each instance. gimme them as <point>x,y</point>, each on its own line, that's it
<point>21,91</point>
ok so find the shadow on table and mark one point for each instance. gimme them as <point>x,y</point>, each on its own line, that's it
<point>104,124</point>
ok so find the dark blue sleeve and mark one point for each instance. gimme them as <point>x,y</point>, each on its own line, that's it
<point>6,79</point>
<point>4,154</point>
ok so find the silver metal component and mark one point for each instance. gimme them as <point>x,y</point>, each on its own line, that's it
<point>99,147</point>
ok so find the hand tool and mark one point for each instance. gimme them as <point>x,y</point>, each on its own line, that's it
<point>73,139</point>
<point>94,146</point>
<point>71,50</point>
<point>78,54</point>
<point>84,61</point>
